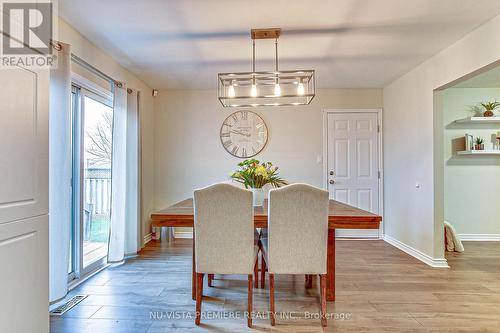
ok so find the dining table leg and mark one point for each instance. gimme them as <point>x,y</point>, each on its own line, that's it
<point>330,258</point>
<point>193,277</point>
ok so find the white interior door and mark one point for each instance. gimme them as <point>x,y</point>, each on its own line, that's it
<point>353,163</point>
<point>24,239</point>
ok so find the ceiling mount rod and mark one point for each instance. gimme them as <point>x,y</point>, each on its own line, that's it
<point>253,46</point>
<point>276,47</point>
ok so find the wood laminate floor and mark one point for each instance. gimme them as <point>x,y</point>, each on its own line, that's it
<point>379,289</point>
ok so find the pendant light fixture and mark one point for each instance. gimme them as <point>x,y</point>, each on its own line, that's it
<point>276,88</point>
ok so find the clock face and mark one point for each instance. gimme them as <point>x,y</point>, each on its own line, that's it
<point>243,134</point>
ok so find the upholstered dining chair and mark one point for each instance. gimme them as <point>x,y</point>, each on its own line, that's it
<point>296,239</point>
<point>224,236</point>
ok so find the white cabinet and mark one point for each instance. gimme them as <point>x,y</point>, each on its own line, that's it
<point>24,201</point>
<point>24,275</point>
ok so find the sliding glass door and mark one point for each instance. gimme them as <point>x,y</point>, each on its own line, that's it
<point>92,154</point>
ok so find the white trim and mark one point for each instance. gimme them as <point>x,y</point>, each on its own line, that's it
<point>90,85</point>
<point>337,239</point>
<point>378,111</point>
<point>433,262</point>
<point>479,237</point>
<point>76,282</point>
<point>183,234</point>
<point>147,238</point>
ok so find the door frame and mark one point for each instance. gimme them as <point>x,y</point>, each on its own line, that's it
<point>377,111</point>
<point>83,88</point>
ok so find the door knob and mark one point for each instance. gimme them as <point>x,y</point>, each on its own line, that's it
<point>332,181</point>
<point>332,173</point>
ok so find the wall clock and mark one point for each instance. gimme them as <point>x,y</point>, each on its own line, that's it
<point>243,134</point>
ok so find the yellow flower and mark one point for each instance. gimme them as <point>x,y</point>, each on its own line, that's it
<point>261,171</point>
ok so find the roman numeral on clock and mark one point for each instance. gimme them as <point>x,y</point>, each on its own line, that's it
<point>227,143</point>
<point>234,151</point>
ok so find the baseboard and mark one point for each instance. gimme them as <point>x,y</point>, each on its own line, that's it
<point>183,234</point>
<point>438,263</point>
<point>480,237</point>
<point>147,238</point>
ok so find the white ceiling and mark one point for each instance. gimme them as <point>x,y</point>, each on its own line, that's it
<point>176,44</point>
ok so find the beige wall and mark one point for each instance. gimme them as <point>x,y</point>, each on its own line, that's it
<point>83,48</point>
<point>189,154</point>
<point>471,183</point>
<point>413,136</point>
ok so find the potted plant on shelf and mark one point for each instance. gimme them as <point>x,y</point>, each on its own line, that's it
<point>255,175</point>
<point>490,108</point>
<point>479,144</point>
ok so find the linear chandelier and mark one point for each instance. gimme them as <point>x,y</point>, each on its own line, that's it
<point>275,88</point>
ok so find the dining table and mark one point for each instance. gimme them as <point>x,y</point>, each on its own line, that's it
<point>340,216</point>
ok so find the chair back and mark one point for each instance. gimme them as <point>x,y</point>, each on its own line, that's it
<point>298,230</point>
<point>224,230</point>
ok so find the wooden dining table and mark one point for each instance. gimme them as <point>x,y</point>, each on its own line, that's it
<point>340,216</point>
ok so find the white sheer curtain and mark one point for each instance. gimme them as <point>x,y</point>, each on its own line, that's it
<point>60,173</point>
<point>132,219</point>
<point>125,222</point>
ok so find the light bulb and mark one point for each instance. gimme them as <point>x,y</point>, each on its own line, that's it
<point>230,91</point>
<point>300,89</point>
<point>277,90</point>
<point>253,91</point>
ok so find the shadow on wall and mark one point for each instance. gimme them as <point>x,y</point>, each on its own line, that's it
<point>468,126</point>
<point>476,160</point>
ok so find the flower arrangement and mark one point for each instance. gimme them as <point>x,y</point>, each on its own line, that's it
<point>489,108</point>
<point>254,174</point>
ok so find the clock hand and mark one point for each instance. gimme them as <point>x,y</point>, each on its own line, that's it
<point>240,133</point>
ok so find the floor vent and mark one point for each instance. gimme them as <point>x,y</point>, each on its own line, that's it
<point>60,310</point>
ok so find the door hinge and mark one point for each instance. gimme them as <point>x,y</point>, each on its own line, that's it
<point>378,128</point>
<point>379,175</point>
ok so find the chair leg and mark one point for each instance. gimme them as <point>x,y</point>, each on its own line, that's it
<point>256,273</point>
<point>210,279</point>
<point>309,281</point>
<point>271,300</point>
<point>199,294</point>
<point>322,283</point>
<point>250,300</point>
<point>262,272</point>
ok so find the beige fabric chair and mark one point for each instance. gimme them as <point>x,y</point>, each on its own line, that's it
<point>297,235</point>
<point>224,236</point>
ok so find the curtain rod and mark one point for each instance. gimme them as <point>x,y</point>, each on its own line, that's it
<point>94,70</point>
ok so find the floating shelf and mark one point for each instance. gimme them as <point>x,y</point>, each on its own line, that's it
<point>479,152</point>
<point>479,120</point>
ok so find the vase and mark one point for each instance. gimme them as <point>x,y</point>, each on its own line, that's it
<point>258,196</point>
